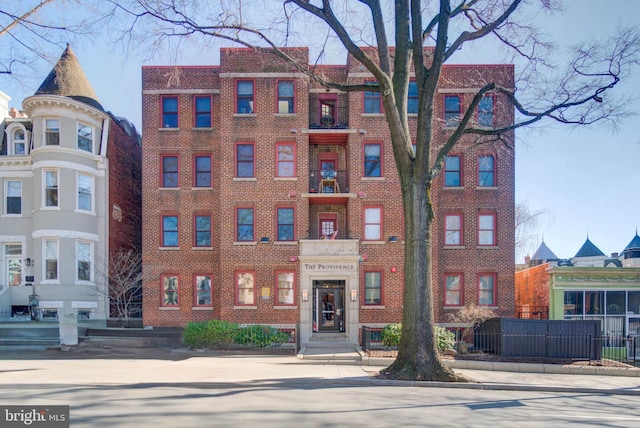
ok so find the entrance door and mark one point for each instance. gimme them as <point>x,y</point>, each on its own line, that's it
<point>329,307</point>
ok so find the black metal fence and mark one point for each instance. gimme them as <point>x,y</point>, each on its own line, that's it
<point>546,348</point>
<point>370,338</point>
<point>549,348</point>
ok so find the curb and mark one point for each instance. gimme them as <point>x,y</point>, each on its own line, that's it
<point>522,367</point>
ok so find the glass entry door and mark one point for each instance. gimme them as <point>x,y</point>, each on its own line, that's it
<point>329,307</point>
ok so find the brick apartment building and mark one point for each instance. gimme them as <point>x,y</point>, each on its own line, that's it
<point>270,199</point>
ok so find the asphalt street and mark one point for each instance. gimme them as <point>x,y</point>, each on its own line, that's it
<point>283,391</point>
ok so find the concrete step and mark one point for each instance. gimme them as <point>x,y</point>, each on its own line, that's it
<point>35,341</point>
<point>17,332</point>
<point>341,355</point>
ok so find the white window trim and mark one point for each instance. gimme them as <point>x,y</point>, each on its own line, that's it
<point>44,263</point>
<point>93,132</point>
<point>43,202</point>
<point>6,195</point>
<point>44,130</point>
<point>91,280</point>
<point>78,209</point>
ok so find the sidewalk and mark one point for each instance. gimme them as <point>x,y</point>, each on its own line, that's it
<point>185,366</point>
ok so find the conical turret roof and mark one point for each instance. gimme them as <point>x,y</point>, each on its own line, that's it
<point>68,80</point>
<point>588,249</point>
<point>544,253</point>
<point>634,244</point>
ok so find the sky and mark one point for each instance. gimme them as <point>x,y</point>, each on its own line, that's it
<point>586,182</point>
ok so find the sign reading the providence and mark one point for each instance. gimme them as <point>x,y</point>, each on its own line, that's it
<point>328,266</point>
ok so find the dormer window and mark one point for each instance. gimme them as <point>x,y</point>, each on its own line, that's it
<point>85,137</point>
<point>19,142</point>
<point>52,132</point>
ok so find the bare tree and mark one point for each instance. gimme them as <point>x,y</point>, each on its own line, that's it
<point>424,41</point>
<point>122,276</point>
<point>30,28</point>
<point>526,223</point>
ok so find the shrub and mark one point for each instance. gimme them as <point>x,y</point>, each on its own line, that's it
<point>445,340</point>
<point>260,336</point>
<point>209,334</point>
<point>391,334</point>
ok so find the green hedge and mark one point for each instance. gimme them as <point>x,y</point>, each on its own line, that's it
<point>445,340</point>
<point>216,333</point>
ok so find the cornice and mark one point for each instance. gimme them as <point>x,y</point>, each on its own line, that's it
<point>49,101</point>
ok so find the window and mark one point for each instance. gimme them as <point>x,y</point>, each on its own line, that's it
<point>245,161</point>
<point>286,228</point>
<point>451,110</point>
<point>51,259</point>
<point>52,132</point>
<point>244,224</point>
<point>373,223</point>
<point>169,171</point>
<point>372,101</point>
<point>201,171</point>
<point>372,160</point>
<point>453,171</point>
<point>83,258</point>
<point>412,98</point>
<point>85,138</point>
<point>14,197</point>
<point>285,281</point>
<point>285,160</point>
<point>13,263</point>
<point>453,229</point>
<point>244,96</point>
<point>51,188</point>
<point>169,112</point>
<point>85,192</point>
<point>203,290</point>
<point>169,230</point>
<point>486,289</point>
<point>453,290</point>
<point>487,229</point>
<point>486,171</point>
<point>574,303</point>
<point>203,231</point>
<point>245,283</point>
<point>485,111</point>
<point>202,111</point>
<point>286,91</point>
<point>170,290</point>
<point>373,288</point>
<point>18,142</point>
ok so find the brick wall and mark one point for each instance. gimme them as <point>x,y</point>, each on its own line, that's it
<point>265,192</point>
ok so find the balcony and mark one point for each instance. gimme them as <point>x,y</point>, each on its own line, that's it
<point>337,183</point>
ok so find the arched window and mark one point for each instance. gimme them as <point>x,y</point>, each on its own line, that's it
<point>19,142</point>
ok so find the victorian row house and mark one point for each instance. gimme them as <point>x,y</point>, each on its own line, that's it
<point>70,177</point>
<point>270,199</point>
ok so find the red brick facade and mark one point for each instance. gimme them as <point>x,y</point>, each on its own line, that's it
<point>124,152</point>
<point>325,127</point>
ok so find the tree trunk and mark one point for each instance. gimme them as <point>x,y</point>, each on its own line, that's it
<point>417,354</point>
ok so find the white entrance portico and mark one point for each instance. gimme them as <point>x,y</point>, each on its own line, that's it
<point>329,284</point>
